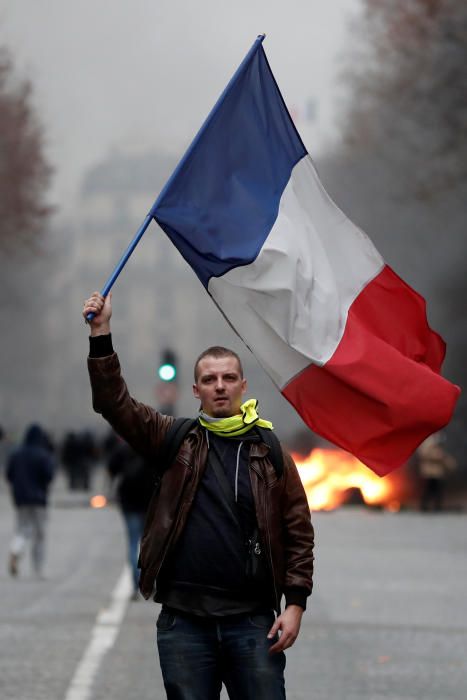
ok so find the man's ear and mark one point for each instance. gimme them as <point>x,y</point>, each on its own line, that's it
<point>244,386</point>
<point>195,391</point>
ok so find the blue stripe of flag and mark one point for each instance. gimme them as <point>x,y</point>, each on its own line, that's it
<point>223,198</point>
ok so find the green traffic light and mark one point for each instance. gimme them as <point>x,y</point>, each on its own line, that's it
<point>167,372</point>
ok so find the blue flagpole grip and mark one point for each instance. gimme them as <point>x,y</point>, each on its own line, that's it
<point>123,260</point>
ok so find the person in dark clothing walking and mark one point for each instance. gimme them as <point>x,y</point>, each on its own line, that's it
<point>226,534</point>
<point>134,480</point>
<point>30,470</point>
<point>78,454</point>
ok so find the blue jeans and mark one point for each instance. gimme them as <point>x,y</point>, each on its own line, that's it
<point>134,523</point>
<point>197,655</point>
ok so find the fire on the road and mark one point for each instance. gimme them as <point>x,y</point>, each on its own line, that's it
<point>328,474</point>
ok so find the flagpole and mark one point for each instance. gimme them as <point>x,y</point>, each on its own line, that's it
<point>139,234</point>
<point>122,262</point>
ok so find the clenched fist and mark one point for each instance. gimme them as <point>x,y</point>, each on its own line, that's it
<point>102,308</point>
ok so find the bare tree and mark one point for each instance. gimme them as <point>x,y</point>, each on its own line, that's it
<point>24,171</point>
<point>409,89</point>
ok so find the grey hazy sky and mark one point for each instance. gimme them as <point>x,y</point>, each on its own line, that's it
<point>139,74</point>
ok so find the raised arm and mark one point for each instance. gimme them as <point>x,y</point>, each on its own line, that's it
<point>138,424</point>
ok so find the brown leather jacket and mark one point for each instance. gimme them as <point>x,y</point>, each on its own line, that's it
<point>281,506</point>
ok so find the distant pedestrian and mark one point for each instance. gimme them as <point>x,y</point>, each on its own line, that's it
<point>89,455</point>
<point>108,444</point>
<point>78,454</point>
<point>134,481</point>
<point>30,470</point>
<point>434,464</point>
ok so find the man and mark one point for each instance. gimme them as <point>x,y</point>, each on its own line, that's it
<point>30,470</point>
<point>435,465</point>
<point>217,623</point>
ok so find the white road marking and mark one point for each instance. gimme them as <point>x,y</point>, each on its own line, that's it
<point>103,636</point>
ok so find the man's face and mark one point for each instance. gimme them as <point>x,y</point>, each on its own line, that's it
<point>219,386</point>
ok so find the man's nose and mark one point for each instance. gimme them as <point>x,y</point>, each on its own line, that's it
<point>219,384</point>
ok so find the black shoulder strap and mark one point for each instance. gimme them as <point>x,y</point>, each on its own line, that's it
<point>182,426</point>
<point>277,458</point>
<point>173,440</point>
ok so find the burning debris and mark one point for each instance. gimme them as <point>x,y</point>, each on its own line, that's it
<point>331,475</point>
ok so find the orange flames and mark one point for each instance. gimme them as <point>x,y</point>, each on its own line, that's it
<point>327,474</point>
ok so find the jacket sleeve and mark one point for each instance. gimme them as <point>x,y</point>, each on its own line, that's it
<point>299,537</point>
<point>139,425</point>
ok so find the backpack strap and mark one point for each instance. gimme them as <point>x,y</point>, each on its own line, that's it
<point>270,438</point>
<point>182,426</point>
<point>172,442</point>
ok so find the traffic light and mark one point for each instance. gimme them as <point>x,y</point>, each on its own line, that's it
<point>167,371</point>
<point>167,386</point>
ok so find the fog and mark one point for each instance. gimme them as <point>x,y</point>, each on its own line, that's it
<point>144,74</point>
<point>121,88</point>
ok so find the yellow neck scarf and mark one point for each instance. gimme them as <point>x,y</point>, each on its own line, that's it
<point>236,425</point>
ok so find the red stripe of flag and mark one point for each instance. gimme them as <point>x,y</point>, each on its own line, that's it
<point>380,395</point>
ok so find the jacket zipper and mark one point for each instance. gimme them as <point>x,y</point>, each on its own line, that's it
<point>266,508</point>
<point>169,541</point>
<point>179,517</point>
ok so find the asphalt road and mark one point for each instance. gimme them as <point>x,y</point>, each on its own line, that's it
<point>387,619</point>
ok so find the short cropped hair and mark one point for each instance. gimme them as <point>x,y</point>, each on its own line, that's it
<point>217,351</point>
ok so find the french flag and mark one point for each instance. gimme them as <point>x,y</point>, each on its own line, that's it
<point>344,338</point>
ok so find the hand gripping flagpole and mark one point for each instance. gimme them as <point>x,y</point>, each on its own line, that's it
<point>139,234</point>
